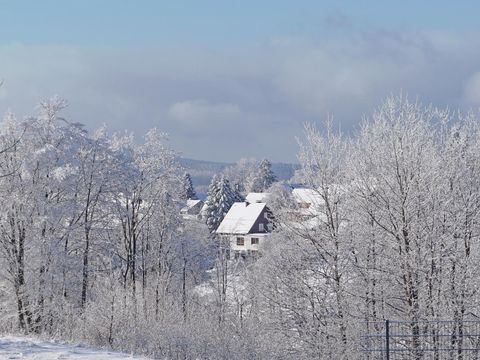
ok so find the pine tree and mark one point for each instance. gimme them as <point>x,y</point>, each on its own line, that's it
<point>187,191</point>
<point>220,199</point>
<point>237,189</point>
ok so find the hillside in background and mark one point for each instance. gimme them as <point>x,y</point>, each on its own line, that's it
<point>202,172</point>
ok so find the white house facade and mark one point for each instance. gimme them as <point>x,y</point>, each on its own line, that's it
<point>245,227</point>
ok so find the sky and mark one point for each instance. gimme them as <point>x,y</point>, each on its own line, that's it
<point>232,79</point>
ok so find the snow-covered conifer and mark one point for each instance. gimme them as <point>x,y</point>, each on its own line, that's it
<point>187,190</point>
<point>238,193</point>
<point>220,199</point>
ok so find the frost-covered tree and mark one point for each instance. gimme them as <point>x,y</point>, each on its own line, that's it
<point>253,182</point>
<point>240,172</point>
<point>260,177</point>
<point>150,180</point>
<point>48,177</point>
<point>396,171</point>
<point>266,174</point>
<point>318,249</point>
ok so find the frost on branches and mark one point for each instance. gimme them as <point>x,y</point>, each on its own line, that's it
<point>248,175</point>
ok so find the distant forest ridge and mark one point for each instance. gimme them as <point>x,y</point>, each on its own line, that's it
<point>202,172</point>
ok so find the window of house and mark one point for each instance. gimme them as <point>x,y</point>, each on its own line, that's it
<point>240,241</point>
<point>261,227</point>
<point>254,241</point>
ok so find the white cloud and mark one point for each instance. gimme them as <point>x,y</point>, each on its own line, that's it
<point>472,89</point>
<point>261,93</point>
<point>200,113</point>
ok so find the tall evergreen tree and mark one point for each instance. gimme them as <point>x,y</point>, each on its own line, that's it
<point>187,191</point>
<point>237,189</point>
<point>220,199</point>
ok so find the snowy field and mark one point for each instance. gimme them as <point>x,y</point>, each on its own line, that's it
<point>22,348</point>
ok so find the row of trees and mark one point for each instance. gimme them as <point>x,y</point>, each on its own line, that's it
<point>249,175</point>
<point>92,246</point>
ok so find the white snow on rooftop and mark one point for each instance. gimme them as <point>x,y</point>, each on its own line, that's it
<point>307,196</point>
<point>240,218</point>
<point>257,197</point>
<point>191,203</point>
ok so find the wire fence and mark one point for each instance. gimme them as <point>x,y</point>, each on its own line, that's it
<point>422,340</point>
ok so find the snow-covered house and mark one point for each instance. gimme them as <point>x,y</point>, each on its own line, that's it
<point>245,226</point>
<point>192,207</point>
<point>257,197</point>
<point>309,201</point>
<point>310,207</point>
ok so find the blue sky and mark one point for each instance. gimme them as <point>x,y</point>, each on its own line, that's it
<point>148,22</point>
<point>231,79</point>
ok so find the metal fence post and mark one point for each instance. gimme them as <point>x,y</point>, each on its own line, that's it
<point>387,339</point>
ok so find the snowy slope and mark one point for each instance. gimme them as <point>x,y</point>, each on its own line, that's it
<point>24,348</point>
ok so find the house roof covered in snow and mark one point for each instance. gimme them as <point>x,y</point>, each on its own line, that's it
<point>240,218</point>
<point>192,207</point>
<point>257,197</point>
<point>307,196</point>
<point>191,203</point>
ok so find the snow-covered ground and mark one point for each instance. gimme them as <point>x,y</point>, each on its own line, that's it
<point>24,348</point>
